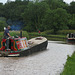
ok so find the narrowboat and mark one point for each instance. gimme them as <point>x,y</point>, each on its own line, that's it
<point>20,46</point>
<point>71,38</point>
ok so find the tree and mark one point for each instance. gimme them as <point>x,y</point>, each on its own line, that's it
<point>13,10</point>
<point>40,14</point>
<point>8,1</point>
<point>18,0</point>
<point>1,9</point>
<point>72,22</point>
<point>54,4</point>
<point>56,19</point>
<point>2,25</point>
<point>71,8</point>
<point>34,14</point>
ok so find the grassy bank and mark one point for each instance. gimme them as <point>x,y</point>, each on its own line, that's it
<point>69,68</point>
<point>14,33</point>
<point>60,32</point>
<point>24,33</point>
<point>49,36</point>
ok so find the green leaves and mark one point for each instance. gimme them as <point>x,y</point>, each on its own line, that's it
<point>72,22</point>
<point>40,15</point>
<point>56,19</point>
<point>2,23</point>
<point>34,13</point>
<point>72,8</point>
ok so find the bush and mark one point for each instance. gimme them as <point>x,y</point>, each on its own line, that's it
<point>60,32</point>
<point>69,67</point>
<point>47,32</point>
<point>65,32</point>
<point>24,33</point>
<point>2,24</point>
<point>14,33</point>
<point>1,35</point>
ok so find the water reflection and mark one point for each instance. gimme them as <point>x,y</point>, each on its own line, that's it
<point>48,62</point>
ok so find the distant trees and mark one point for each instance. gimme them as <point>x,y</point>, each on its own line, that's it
<point>71,8</point>
<point>41,14</point>
<point>1,10</point>
<point>13,10</point>
<point>18,0</point>
<point>2,23</point>
<point>56,19</point>
<point>72,22</point>
<point>33,15</point>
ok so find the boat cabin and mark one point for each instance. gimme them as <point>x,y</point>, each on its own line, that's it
<point>16,45</point>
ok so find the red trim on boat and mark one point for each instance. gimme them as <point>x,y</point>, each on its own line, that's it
<point>15,53</point>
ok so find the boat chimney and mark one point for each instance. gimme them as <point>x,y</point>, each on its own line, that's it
<point>21,34</point>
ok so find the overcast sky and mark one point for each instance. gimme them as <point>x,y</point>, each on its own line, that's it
<point>67,1</point>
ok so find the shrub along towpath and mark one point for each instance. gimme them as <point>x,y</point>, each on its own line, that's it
<point>49,37</point>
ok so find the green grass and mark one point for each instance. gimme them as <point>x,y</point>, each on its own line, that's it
<point>24,33</point>
<point>69,68</point>
<point>14,33</point>
<point>60,32</point>
<point>1,35</point>
<point>65,31</point>
<point>49,36</point>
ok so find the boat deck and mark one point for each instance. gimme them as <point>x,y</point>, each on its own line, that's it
<point>36,41</point>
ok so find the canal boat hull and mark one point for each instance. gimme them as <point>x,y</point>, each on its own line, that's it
<point>22,47</point>
<point>35,48</point>
<point>71,40</point>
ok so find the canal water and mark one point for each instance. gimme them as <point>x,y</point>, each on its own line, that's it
<point>47,62</point>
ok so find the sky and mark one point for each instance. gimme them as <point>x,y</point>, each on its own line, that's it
<point>67,1</point>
